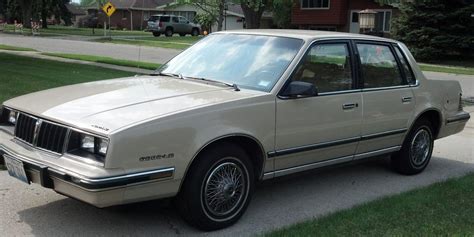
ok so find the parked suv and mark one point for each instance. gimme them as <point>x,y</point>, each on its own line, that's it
<point>170,24</point>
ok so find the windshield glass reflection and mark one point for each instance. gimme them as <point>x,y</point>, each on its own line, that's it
<point>250,61</point>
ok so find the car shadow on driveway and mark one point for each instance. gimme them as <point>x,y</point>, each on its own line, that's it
<point>276,203</point>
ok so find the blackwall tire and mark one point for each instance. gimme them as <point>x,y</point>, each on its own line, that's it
<point>416,150</point>
<point>218,188</point>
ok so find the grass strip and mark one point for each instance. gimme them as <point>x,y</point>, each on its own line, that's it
<point>106,60</point>
<point>14,48</point>
<point>441,209</point>
<point>447,69</point>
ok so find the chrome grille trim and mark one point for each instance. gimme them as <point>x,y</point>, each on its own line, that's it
<point>41,134</point>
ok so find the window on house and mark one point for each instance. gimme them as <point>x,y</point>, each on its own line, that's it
<point>382,21</point>
<point>311,4</point>
<point>355,17</point>
<point>124,14</point>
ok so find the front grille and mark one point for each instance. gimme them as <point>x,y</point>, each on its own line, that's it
<point>51,137</point>
<point>25,128</point>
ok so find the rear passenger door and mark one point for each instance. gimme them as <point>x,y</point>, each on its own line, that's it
<point>387,96</point>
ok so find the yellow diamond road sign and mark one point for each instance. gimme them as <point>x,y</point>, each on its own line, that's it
<point>108,8</point>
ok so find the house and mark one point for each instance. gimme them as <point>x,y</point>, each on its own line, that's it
<point>77,12</point>
<point>133,14</point>
<point>340,15</point>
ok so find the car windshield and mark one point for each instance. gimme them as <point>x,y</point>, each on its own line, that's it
<point>249,61</point>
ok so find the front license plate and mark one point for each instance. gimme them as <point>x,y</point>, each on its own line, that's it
<point>15,168</point>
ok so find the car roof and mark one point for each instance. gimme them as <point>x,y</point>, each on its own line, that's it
<point>306,35</point>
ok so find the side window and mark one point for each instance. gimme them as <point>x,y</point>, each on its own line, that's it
<point>327,66</point>
<point>182,20</point>
<point>175,19</point>
<point>378,65</point>
<point>406,67</point>
<point>165,19</point>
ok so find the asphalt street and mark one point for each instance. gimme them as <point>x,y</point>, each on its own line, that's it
<point>32,210</point>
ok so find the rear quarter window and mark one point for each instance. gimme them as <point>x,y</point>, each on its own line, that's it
<point>165,19</point>
<point>153,18</point>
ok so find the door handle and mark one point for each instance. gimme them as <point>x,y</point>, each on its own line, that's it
<point>349,106</point>
<point>406,99</point>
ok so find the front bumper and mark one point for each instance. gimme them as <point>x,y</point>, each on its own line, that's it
<point>98,191</point>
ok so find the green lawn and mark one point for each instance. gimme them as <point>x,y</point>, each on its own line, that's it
<point>107,60</point>
<point>14,48</point>
<point>447,69</point>
<point>442,209</point>
<point>174,42</point>
<point>20,75</point>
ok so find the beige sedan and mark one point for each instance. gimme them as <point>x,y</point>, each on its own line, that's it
<point>235,108</point>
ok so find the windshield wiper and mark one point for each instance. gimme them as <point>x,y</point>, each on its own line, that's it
<point>233,85</point>
<point>176,75</point>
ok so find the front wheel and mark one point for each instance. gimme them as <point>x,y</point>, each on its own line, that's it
<point>217,189</point>
<point>156,34</point>
<point>416,149</point>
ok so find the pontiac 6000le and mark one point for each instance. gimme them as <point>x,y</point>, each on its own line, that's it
<point>235,108</point>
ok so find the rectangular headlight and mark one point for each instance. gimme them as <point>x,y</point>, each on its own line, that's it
<point>92,148</point>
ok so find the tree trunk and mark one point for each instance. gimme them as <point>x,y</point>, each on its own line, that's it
<point>26,6</point>
<point>220,19</point>
<point>44,14</point>
<point>252,17</point>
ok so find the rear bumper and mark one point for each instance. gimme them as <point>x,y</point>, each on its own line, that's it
<point>454,124</point>
<point>98,191</point>
<point>460,117</point>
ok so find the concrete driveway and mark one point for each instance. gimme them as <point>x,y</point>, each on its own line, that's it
<point>32,210</point>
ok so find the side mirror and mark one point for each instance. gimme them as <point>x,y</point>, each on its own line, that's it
<point>299,89</point>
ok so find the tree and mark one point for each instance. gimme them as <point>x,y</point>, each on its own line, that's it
<point>28,10</point>
<point>253,11</point>
<point>282,13</point>
<point>213,9</point>
<point>205,20</point>
<point>436,29</point>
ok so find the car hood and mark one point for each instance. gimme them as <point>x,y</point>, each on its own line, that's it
<point>105,106</point>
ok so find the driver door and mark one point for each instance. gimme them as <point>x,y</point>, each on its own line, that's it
<point>325,128</point>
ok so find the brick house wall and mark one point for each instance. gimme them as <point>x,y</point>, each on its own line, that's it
<point>337,17</point>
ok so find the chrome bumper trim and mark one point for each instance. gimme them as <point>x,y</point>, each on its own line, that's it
<point>90,184</point>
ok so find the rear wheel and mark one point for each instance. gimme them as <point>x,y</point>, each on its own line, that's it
<point>156,34</point>
<point>416,149</point>
<point>169,32</point>
<point>218,188</point>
